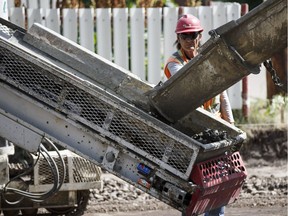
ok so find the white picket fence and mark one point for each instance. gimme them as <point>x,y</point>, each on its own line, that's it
<point>127,37</point>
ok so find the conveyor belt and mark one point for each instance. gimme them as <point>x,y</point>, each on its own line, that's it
<point>51,87</point>
<point>41,99</point>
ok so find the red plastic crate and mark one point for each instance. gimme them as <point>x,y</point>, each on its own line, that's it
<point>220,181</point>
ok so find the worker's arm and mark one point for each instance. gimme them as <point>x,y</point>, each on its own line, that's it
<point>225,108</point>
<point>172,68</point>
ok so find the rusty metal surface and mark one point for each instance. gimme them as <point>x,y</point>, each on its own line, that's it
<point>235,50</point>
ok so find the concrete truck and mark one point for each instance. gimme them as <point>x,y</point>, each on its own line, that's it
<point>56,96</point>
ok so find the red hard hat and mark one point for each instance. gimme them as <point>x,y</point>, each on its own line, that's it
<point>188,23</point>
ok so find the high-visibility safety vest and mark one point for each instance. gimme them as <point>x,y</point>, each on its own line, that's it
<point>177,57</point>
<point>212,105</point>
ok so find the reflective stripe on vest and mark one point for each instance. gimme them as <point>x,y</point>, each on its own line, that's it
<point>176,57</point>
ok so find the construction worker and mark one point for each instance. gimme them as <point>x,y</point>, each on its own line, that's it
<point>188,32</point>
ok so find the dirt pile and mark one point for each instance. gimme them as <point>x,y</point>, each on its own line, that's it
<point>265,142</point>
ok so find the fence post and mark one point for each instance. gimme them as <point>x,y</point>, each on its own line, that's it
<point>170,20</point>
<point>190,10</point>
<point>52,19</point>
<point>4,9</point>
<point>154,45</point>
<point>34,16</point>
<point>219,15</point>
<point>10,3</point>
<point>245,103</point>
<point>54,4</point>
<point>45,4</point>
<point>103,28</point>
<point>17,16</point>
<point>233,11</point>
<point>137,18</point>
<point>120,37</point>
<point>33,4</point>
<point>86,23</point>
<point>205,16</point>
<point>70,27</point>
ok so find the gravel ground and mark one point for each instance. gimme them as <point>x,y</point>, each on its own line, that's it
<point>259,190</point>
<point>265,157</point>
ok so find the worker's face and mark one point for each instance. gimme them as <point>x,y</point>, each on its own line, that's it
<point>189,41</point>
